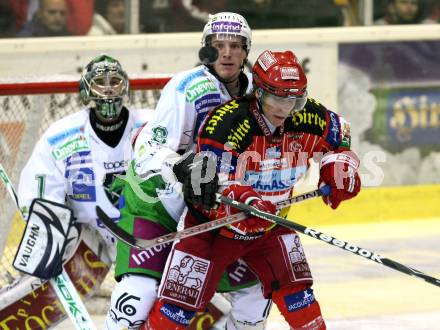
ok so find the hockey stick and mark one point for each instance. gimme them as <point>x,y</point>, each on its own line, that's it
<point>331,240</point>
<point>63,286</point>
<point>323,191</point>
<point>139,243</point>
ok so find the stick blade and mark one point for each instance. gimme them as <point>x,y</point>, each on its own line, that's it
<point>117,231</point>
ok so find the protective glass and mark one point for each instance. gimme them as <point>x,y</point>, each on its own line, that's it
<point>236,42</point>
<point>294,102</point>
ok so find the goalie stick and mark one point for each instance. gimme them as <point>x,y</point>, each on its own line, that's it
<point>62,284</point>
<point>139,243</point>
<point>331,240</point>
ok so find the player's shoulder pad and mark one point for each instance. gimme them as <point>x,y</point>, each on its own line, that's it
<point>140,119</point>
<point>185,79</point>
<point>66,128</point>
<point>316,119</point>
<point>311,119</point>
<point>229,123</point>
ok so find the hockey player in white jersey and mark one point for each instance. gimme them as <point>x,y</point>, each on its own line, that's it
<point>166,144</point>
<point>76,159</point>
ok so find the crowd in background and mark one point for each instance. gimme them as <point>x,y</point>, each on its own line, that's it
<point>38,18</point>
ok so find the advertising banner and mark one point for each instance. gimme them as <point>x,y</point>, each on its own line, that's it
<point>390,92</point>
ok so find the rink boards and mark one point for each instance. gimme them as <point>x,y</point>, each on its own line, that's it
<point>373,205</point>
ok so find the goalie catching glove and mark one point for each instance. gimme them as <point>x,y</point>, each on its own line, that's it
<point>340,172</point>
<point>247,195</point>
<point>197,173</point>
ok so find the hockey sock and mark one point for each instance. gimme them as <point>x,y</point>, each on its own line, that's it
<point>298,306</point>
<point>164,316</point>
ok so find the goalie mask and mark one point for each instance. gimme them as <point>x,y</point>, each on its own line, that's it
<point>227,26</point>
<point>104,83</point>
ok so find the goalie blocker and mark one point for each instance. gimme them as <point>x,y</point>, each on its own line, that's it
<point>31,303</point>
<point>49,239</point>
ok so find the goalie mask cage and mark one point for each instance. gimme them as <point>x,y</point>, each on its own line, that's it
<point>26,111</point>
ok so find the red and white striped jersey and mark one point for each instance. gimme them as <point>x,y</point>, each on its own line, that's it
<point>247,151</point>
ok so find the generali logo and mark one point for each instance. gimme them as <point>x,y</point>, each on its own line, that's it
<point>185,278</point>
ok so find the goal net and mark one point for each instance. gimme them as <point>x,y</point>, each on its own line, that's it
<point>26,111</point>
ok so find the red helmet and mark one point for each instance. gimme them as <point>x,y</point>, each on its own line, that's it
<point>280,74</point>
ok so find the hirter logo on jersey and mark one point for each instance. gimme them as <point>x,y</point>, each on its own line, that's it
<point>218,114</point>
<point>310,121</point>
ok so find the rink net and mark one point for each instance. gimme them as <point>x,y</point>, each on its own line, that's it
<point>26,111</point>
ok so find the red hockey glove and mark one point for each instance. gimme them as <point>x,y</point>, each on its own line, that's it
<point>339,171</point>
<point>247,195</point>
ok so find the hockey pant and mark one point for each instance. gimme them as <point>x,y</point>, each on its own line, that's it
<point>134,295</point>
<point>196,264</point>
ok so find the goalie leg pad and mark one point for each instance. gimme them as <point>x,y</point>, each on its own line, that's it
<point>48,232</point>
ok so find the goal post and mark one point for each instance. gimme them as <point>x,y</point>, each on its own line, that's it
<point>26,111</point>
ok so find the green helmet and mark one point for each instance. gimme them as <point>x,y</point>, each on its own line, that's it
<point>104,83</point>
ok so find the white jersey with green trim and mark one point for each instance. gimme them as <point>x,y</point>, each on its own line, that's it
<point>184,103</point>
<point>71,164</point>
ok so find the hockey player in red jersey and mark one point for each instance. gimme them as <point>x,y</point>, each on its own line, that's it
<point>263,144</point>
